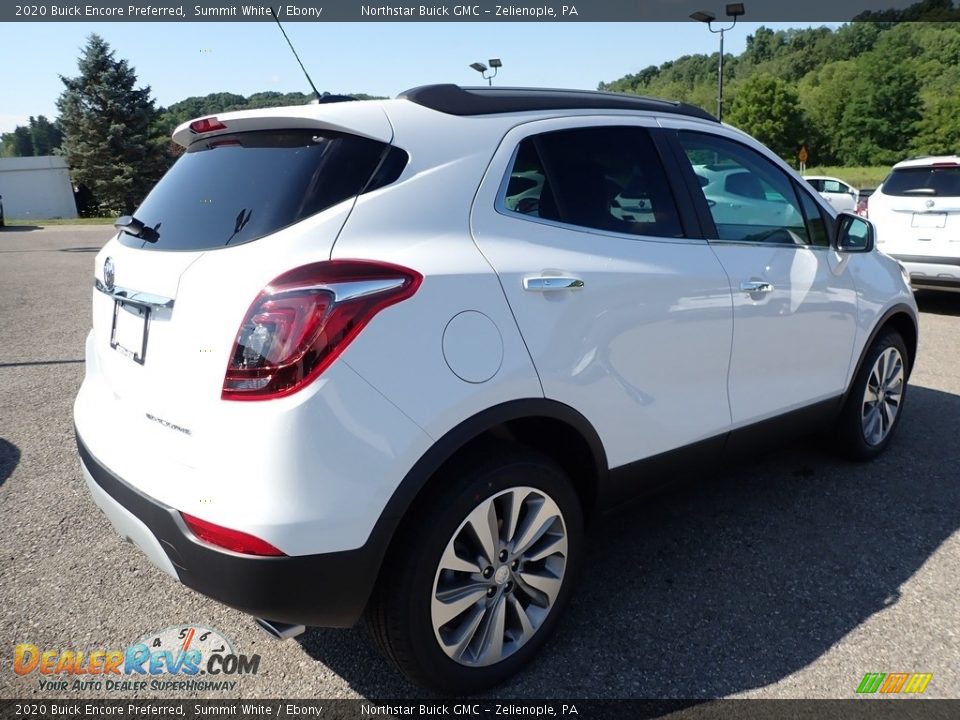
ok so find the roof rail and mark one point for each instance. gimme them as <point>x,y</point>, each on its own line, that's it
<point>455,100</point>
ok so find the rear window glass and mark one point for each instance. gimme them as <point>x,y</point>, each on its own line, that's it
<point>924,181</point>
<point>232,189</point>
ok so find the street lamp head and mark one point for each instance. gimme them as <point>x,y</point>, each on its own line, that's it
<point>703,16</point>
<point>479,67</point>
<point>735,10</point>
<point>495,63</point>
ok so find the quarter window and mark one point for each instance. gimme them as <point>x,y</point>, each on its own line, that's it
<point>602,178</point>
<point>750,199</point>
<point>815,220</point>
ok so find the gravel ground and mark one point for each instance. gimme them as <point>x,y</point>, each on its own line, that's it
<point>788,577</point>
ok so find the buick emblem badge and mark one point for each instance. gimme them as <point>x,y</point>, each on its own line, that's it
<point>108,274</point>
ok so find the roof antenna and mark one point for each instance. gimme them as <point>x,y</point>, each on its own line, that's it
<point>312,86</point>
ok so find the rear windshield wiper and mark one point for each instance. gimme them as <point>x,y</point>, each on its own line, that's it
<point>240,223</point>
<point>131,226</point>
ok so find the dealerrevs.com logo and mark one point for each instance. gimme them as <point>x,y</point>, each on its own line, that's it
<point>177,659</point>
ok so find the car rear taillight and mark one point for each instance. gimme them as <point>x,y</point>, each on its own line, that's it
<point>234,540</point>
<point>304,319</point>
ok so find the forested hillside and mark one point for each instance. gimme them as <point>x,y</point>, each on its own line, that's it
<point>867,93</point>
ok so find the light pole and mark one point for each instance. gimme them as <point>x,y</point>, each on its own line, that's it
<point>733,10</point>
<point>495,64</point>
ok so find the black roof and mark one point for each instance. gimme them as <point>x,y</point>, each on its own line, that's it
<point>456,100</point>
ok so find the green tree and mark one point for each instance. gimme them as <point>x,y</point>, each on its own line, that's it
<point>769,109</point>
<point>880,114</point>
<point>764,45</point>
<point>18,143</point>
<point>824,95</point>
<point>110,131</point>
<point>39,137</point>
<point>938,131</point>
<point>46,136</point>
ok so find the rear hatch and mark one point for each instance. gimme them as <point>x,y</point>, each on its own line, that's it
<point>917,210</point>
<point>240,207</point>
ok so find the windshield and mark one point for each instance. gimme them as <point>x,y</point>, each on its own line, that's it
<point>924,181</point>
<point>232,189</point>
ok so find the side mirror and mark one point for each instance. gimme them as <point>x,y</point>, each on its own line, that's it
<point>853,234</point>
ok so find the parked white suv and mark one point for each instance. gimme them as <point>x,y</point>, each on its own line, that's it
<point>386,358</point>
<point>917,215</point>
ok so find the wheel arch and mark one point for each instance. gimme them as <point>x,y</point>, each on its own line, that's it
<point>901,318</point>
<point>547,426</point>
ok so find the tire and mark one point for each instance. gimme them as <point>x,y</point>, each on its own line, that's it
<point>874,404</point>
<point>453,648</point>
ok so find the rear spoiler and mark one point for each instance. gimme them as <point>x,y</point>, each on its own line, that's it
<point>356,118</point>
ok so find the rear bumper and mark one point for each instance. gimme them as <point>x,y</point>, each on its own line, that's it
<point>930,271</point>
<point>327,590</point>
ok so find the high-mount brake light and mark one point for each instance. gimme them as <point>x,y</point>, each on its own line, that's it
<point>304,319</point>
<point>205,125</point>
<point>234,540</point>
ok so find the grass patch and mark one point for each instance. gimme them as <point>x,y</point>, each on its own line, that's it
<point>860,177</point>
<point>65,221</point>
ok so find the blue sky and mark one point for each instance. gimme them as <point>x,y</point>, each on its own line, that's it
<point>182,59</point>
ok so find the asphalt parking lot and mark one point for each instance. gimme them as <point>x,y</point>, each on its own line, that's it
<point>789,577</point>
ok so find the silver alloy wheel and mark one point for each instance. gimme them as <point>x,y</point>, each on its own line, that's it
<point>499,576</point>
<point>882,396</point>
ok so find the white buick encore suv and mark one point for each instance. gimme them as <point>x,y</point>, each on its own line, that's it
<point>385,359</point>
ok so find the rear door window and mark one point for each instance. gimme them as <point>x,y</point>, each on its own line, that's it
<point>602,178</point>
<point>236,188</point>
<point>924,181</point>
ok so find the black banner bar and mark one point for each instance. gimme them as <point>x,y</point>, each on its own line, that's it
<point>444,11</point>
<point>854,709</point>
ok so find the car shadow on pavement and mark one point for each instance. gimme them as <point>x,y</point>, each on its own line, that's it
<point>9,459</point>
<point>735,581</point>
<point>19,228</point>
<point>938,303</point>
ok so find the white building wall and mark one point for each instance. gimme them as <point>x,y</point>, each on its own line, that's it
<point>36,188</point>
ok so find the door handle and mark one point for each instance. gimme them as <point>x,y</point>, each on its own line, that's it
<point>551,284</point>
<point>756,286</point>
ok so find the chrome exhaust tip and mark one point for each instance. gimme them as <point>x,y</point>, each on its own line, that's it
<point>279,630</point>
